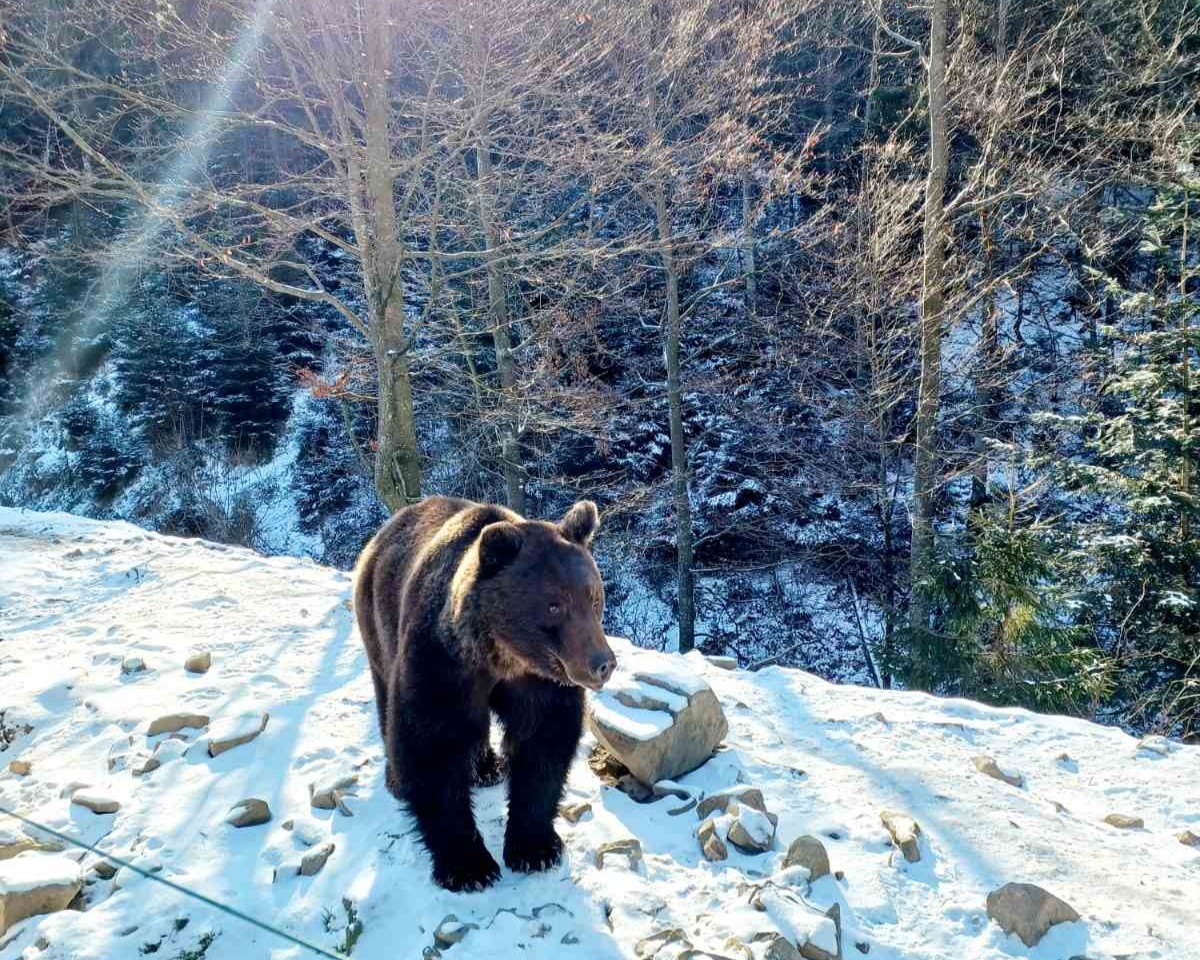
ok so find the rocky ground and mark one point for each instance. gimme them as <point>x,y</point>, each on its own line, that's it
<point>203,714</point>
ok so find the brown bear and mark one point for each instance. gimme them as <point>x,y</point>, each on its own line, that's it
<point>466,610</point>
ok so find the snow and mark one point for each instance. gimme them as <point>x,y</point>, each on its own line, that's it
<point>78,596</point>
<point>29,872</point>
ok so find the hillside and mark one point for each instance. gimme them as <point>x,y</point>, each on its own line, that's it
<point>81,601</point>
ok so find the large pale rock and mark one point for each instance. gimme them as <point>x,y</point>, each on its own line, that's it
<point>36,884</point>
<point>1124,822</point>
<point>656,715</point>
<point>808,852</point>
<point>904,831</point>
<point>14,841</point>
<point>234,731</point>
<point>1028,911</point>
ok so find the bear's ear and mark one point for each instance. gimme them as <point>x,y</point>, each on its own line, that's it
<point>499,543</point>
<point>580,523</point>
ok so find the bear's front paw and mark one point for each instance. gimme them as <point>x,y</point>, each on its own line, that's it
<point>476,870</point>
<point>527,854</point>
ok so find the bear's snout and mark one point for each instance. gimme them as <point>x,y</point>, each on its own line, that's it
<point>592,665</point>
<point>603,665</point>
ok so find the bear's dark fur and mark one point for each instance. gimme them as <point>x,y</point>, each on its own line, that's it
<point>466,610</point>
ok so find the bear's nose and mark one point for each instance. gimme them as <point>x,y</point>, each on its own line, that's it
<point>602,666</point>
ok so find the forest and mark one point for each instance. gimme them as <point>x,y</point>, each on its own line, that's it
<point>870,325</point>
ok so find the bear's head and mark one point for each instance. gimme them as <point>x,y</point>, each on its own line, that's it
<point>540,597</point>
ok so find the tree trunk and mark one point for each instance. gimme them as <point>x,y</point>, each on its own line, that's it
<point>1185,467</point>
<point>679,463</point>
<point>925,466</point>
<point>397,459</point>
<point>748,249</point>
<point>510,454</point>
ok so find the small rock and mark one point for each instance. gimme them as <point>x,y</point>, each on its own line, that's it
<point>328,795</point>
<point>808,852</point>
<point>630,849</point>
<point>1156,744</point>
<point>711,844</point>
<point>451,931</point>
<point>752,831</point>
<point>249,813</point>
<point>1064,757</point>
<point>198,662</point>
<point>35,885</point>
<point>780,947</point>
<point>988,767</point>
<point>174,722</point>
<point>95,801</point>
<point>307,831</point>
<point>723,663</point>
<point>126,877</point>
<point>1123,822</point>
<point>144,763</point>
<point>1028,911</point>
<point>748,796</point>
<point>574,812</point>
<point>20,768</point>
<point>905,832</point>
<point>1189,839</point>
<point>314,861</point>
<point>104,869</point>
<point>633,788</point>
<point>131,665</point>
<point>649,946</point>
<point>234,731</point>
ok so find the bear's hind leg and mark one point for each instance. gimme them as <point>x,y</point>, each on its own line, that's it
<point>542,725</point>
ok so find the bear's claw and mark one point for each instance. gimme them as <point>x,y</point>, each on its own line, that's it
<point>529,855</point>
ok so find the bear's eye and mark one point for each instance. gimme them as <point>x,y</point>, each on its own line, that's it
<point>555,609</point>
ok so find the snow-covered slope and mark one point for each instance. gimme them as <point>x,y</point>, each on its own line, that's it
<point>79,599</point>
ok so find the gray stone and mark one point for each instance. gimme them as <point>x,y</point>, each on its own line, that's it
<point>989,768</point>
<point>1027,911</point>
<point>14,841</point>
<point>780,947</point>
<point>36,885</point>
<point>132,665</point>
<point>1188,839</point>
<point>808,852</point>
<point>314,861</point>
<point>724,663</point>
<point>249,813</point>
<point>904,831</point>
<point>1123,822</point>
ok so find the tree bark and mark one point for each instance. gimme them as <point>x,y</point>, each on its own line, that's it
<point>397,458</point>
<point>679,462</point>
<point>925,466</point>
<point>748,248</point>
<point>510,454</point>
<point>1185,468</point>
